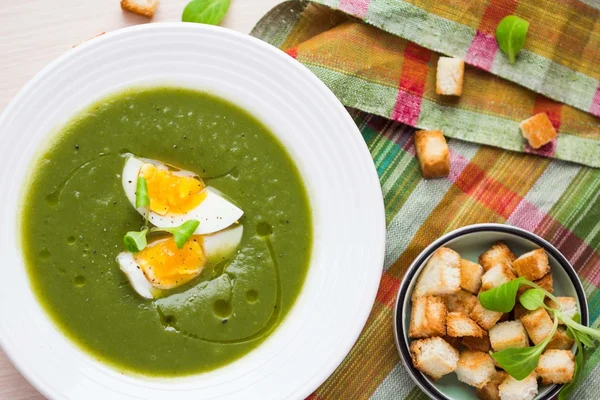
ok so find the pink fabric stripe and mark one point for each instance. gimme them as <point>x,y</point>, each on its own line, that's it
<point>358,8</point>
<point>546,150</point>
<point>595,107</point>
<point>407,108</point>
<point>457,164</point>
<point>526,216</point>
<point>482,51</point>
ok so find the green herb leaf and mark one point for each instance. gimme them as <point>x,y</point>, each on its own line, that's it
<point>520,362</point>
<point>510,35</point>
<point>533,299</point>
<point>181,233</point>
<point>135,241</point>
<point>501,298</point>
<point>579,363</point>
<point>209,12</point>
<point>580,330</point>
<point>141,193</point>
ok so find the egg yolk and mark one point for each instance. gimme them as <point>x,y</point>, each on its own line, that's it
<point>171,193</point>
<point>166,267</point>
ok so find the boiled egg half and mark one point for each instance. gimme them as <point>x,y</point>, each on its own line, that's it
<point>176,196</point>
<point>162,266</point>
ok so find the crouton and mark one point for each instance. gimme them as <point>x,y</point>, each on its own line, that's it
<point>141,7</point>
<point>537,324</point>
<point>428,317</point>
<point>533,265</point>
<point>560,340</point>
<point>449,76</point>
<point>546,282</point>
<point>499,253</point>
<point>509,334</point>
<point>470,276</point>
<point>555,366</point>
<point>459,325</point>
<point>477,344</point>
<point>452,341</point>
<point>519,310</point>
<point>538,130</point>
<point>475,368</point>
<point>434,357</point>
<point>462,301</point>
<point>496,276</point>
<point>568,305</point>
<point>490,390</point>
<point>441,275</point>
<point>433,154</point>
<point>484,317</point>
<point>512,389</point>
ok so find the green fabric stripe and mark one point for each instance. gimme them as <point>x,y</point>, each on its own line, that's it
<point>578,149</point>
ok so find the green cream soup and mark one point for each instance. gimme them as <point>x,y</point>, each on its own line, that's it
<point>76,214</point>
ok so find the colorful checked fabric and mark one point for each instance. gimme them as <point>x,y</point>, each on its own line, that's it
<point>385,70</point>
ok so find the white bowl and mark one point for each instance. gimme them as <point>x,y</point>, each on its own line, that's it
<point>344,191</point>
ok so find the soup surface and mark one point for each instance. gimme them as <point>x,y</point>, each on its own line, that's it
<point>75,214</point>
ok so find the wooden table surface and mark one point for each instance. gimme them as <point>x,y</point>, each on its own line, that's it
<point>34,32</point>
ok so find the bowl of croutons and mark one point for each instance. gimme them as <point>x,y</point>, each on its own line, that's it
<point>492,311</point>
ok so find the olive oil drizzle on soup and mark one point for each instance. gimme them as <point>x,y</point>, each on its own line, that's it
<point>75,215</point>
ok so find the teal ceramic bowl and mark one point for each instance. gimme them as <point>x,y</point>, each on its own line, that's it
<point>470,241</point>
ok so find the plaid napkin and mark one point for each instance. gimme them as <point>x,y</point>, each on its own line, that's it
<point>384,71</point>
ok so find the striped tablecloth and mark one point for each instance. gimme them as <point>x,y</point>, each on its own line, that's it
<point>379,58</point>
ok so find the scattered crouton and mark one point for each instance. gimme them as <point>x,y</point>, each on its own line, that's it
<point>490,390</point>
<point>147,8</point>
<point>509,334</point>
<point>533,265</point>
<point>512,389</point>
<point>555,366</point>
<point>462,301</point>
<point>560,340</point>
<point>499,253</point>
<point>459,325</point>
<point>433,154</point>
<point>538,325</point>
<point>496,276</point>
<point>428,317</point>
<point>546,282</point>
<point>434,357</point>
<point>538,130</point>
<point>568,305</point>
<point>475,368</point>
<point>453,341</point>
<point>485,318</point>
<point>441,275</point>
<point>470,276</point>
<point>449,76</point>
<point>477,344</point>
<point>519,311</point>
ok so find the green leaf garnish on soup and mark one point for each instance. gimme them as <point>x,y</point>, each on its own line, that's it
<point>510,35</point>
<point>209,12</point>
<point>135,241</point>
<point>142,199</point>
<point>181,233</point>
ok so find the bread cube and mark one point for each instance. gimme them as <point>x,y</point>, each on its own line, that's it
<point>461,302</point>
<point>470,276</point>
<point>546,282</point>
<point>509,334</point>
<point>441,275</point>
<point>449,76</point>
<point>484,317</point>
<point>555,366</point>
<point>428,317</point>
<point>433,154</point>
<point>452,341</point>
<point>496,276</point>
<point>477,344</point>
<point>533,265</point>
<point>568,305</point>
<point>499,253</point>
<point>560,340</point>
<point>475,368</point>
<point>512,389</point>
<point>519,310</point>
<point>538,130</point>
<point>434,357</point>
<point>538,325</point>
<point>490,391</point>
<point>459,324</point>
<point>141,7</point>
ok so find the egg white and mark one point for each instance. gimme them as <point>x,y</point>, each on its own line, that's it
<point>217,247</point>
<point>215,213</point>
